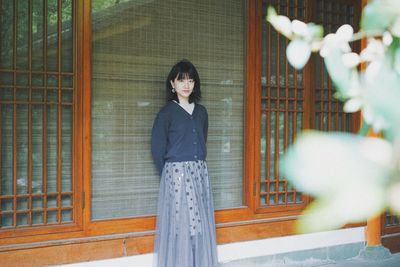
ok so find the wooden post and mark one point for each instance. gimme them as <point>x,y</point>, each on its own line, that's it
<point>374,249</point>
<point>373,231</point>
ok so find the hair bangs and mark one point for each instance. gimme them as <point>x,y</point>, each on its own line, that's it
<point>186,75</point>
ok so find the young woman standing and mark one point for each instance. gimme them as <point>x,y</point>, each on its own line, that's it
<point>185,229</point>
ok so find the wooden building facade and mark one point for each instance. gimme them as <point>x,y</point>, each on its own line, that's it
<point>80,84</point>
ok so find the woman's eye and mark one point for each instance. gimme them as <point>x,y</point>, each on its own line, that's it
<point>182,81</point>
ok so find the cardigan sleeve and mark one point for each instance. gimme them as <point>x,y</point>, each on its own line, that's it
<point>205,127</point>
<point>159,139</point>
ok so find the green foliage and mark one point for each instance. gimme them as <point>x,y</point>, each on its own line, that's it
<point>351,177</point>
<point>379,16</point>
<point>103,4</point>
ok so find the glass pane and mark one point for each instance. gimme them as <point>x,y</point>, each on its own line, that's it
<point>6,149</point>
<point>22,34</point>
<point>6,94</point>
<point>299,198</point>
<point>7,204</point>
<point>67,96</point>
<point>37,218</point>
<point>67,40</point>
<point>281,199</point>
<point>66,201</point>
<point>37,202</point>
<point>66,150</point>
<point>272,145</point>
<point>51,148</point>
<point>37,148</point>
<point>6,79</point>
<point>23,94</point>
<point>263,144</point>
<point>51,216</point>
<point>6,34</point>
<point>37,95</point>
<point>290,198</point>
<point>22,219</point>
<point>37,36</point>
<point>22,203</point>
<point>52,81</point>
<point>66,216</point>
<point>67,82</point>
<point>37,80</point>
<point>291,126</point>
<point>273,57</point>
<point>52,96</point>
<point>22,79</point>
<point>51,202</point>
<point>272,187</point>
<point>6,220</point>
<point>272,199</point>
<point>52,43</point>
<point>22,149</point>
<point>129,70</point>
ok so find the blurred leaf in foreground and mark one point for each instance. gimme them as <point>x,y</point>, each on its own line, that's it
<point>346,173</point>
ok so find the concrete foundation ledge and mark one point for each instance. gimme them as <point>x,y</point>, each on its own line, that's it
<point>313,249</point>
<point>312,257</point>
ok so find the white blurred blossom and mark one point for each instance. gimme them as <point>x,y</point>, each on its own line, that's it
<point>340,40</point>
<point>351,177</point>
<point>394,197</point>
<point>375,50</point>
<point>387,38</point>
<point>299,28</point>
<point>351,60</point>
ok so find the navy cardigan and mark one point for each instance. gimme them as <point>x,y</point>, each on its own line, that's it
<point>179,136</point>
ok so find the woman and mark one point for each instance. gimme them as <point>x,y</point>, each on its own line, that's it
<point>185,230</point>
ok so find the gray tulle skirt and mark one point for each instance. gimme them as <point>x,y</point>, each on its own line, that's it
<point>185,230</point>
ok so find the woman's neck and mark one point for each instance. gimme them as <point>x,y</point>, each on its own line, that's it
<point>183,101</point>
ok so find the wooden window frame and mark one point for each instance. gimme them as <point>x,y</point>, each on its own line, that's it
<point>309,115</point>
<point>12,235</point>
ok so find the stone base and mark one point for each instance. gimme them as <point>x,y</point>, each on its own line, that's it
<point>375,253</point>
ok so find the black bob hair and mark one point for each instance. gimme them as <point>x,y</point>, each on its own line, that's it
<point>184,69</point>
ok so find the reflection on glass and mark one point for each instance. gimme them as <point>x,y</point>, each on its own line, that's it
<point>66,149</point>
<point>22,149</point>
<point>51,153</point>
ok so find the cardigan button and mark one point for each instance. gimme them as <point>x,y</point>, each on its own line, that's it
<point>195,156</point>
<point>194,130</point>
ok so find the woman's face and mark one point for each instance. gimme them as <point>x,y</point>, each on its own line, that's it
<point>183,87</point>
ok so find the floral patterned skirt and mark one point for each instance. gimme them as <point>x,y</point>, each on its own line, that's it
<point>185,230</point>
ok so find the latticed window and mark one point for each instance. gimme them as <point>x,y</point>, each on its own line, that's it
<point>37,102</point>
<point>390,223</point>
<point>327,113</point>
<point>391,220</point>
<point>292,100</point>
